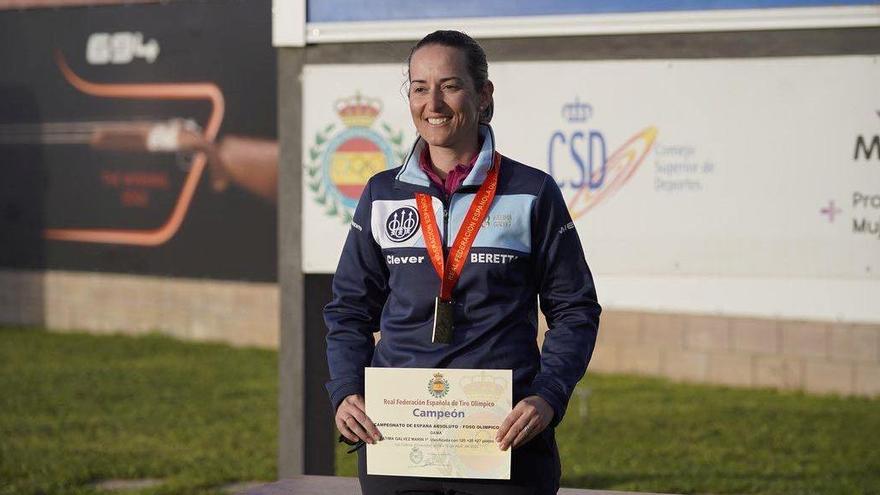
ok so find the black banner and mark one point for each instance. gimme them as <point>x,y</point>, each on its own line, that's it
<point>139,139</point>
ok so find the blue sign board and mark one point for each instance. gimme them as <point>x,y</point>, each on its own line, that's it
<point>395,10</point>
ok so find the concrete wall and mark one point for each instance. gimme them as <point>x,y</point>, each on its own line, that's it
<point>783,354</point>
<point>239,313</point>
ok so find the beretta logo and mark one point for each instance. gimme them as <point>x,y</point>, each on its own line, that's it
<point>339,164</point>
<point>402,224</point>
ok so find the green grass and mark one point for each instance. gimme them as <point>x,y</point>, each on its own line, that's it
<point>654,435</point>
<point>76,408</point>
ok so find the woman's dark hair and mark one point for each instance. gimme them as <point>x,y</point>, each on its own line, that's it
<point>475,59</point>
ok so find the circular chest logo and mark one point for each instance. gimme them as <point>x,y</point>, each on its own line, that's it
<point>402,224</point>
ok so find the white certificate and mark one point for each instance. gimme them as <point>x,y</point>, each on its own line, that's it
<point>438,422</point>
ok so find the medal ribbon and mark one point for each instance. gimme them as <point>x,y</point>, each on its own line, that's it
<point>449,270</point>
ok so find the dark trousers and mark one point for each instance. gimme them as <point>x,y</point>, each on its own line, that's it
<point>534,470</point>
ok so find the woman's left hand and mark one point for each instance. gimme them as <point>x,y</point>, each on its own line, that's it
<point>527,419</point>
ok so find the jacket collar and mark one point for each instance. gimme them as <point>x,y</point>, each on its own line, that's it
<point>411,173</point>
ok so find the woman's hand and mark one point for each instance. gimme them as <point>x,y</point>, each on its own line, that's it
<point>529,418</point>
<point>352,421</point>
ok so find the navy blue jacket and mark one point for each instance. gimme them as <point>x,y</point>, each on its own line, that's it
<point>526,249</point>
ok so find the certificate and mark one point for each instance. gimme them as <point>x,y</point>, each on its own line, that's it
<point>438,422</point>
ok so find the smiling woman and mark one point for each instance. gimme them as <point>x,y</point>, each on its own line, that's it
<point>448,254</point>
<point>447,101</point>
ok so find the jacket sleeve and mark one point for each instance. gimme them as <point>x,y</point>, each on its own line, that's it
<point>360,287</point>
<point>567,297</point>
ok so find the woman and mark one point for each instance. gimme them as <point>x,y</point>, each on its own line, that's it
<point>525,247</point>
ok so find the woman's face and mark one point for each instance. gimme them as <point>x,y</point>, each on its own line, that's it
<point>444,104</point>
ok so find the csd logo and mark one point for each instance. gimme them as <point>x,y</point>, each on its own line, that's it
<point>402,224</point>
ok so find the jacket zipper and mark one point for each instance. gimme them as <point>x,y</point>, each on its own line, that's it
<point>446,205</point>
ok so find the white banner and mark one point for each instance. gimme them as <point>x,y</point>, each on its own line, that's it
<point>764,169</point>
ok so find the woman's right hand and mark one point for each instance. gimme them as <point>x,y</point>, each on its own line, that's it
<point>352,420</point>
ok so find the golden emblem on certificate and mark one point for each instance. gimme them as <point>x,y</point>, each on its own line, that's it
<point>446,429</point>
<point>438,386</point>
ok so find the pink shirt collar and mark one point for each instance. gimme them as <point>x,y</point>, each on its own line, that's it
<point>453,178</point>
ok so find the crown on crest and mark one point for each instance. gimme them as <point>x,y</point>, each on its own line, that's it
<point>577,111</point>
<point>482,387</point>
<point>358,110</point>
